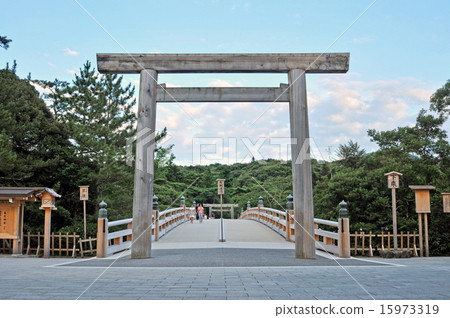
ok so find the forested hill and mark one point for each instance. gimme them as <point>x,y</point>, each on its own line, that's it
<point>243,182</point>
<point>358,180</point>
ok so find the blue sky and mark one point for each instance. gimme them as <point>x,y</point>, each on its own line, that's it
<point>399,52</point>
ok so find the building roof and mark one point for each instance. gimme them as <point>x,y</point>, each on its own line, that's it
<point>394,172</point>
<point>24,193</point>
<point>422,187</point>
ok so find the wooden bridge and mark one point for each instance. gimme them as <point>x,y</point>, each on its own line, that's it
<point>256,225</point>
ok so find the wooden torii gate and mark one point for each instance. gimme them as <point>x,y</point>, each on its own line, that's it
<point>295,65</point>
<point>228,206</point>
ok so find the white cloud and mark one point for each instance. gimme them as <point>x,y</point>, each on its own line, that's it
<point>68,51</point>
<point>171,85</point>
<point>40,89</point>
<point>352,107</point>
<point>341,108</point>
<point>337,118</point>
<point>220,83</point>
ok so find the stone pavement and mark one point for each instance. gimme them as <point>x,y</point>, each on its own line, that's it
<point>220,257</point>
<point>191,277</point>
<point>37,278</point>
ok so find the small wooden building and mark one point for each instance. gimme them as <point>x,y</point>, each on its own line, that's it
<point>446,202</point>
<point>422,193</point>
<point>12,204</point>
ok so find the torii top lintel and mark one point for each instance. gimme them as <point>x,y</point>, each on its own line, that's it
<point>224,63</point>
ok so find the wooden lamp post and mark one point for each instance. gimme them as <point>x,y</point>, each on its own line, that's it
<point>48,205</point>
<point>84,195</point>
<point>221,191</point>
<point>394,183</point>
<point>422,193</point>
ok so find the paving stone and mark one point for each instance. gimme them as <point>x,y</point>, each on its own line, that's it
<point>418,278</point>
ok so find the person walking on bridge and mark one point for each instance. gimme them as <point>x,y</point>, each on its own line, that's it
<point>200,213</point>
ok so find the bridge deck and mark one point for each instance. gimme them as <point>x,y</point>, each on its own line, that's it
<point>238,234</point>
<point>248,244</point>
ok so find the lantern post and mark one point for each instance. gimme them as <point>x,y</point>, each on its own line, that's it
<point>48,205</point>
<point>84,195</point>
<point>221,191</point>
<point>394,183</point>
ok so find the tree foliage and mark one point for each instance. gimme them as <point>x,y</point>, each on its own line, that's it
<point>98,112</point>
<point>440,101</point>
<point>351,154</point>
<point>4,42</point>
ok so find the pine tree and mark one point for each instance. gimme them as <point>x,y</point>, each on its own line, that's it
<point>4,42</point>
<point>98,111</point>
<point>32,141</point>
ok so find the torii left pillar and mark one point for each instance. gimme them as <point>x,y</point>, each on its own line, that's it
<point>301,167</point>
<point>144,170</point>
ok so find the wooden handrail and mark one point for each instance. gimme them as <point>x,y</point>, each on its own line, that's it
<point>284,226</point>
<point>326,222</point>
<point>120,222</point>
<point>273,210</point>
<point>170,210</point>
<point>121,240</point>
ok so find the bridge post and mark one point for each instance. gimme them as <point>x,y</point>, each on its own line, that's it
<point>301,166</point>
<point>144,170</point>
<point>183,205</point>
<point>344,231</point>
<point>316,236</point>
<point>289,211</point>
<point>102,231</point>
<point>155,214</point>
<point>260,205</point>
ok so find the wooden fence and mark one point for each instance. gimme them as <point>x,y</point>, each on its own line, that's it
<point>33,244</point>
<point>5,246</point>
<point>368,244</point>
<point>88,246</point>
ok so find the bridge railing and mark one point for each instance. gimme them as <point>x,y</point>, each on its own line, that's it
<point>327,240</point>
<point>119,240</point>
<point>168,220</point>
<point>275,219</point>
<point>110,242</point>
<point>282,222</point>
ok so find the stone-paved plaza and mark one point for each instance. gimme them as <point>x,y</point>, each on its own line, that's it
<point>37,278</point>
<point>254,263</point>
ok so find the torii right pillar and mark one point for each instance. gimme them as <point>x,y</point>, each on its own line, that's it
<point>301,167</point>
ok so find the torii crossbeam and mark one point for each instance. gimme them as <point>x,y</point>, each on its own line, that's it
<point>295,65</point>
